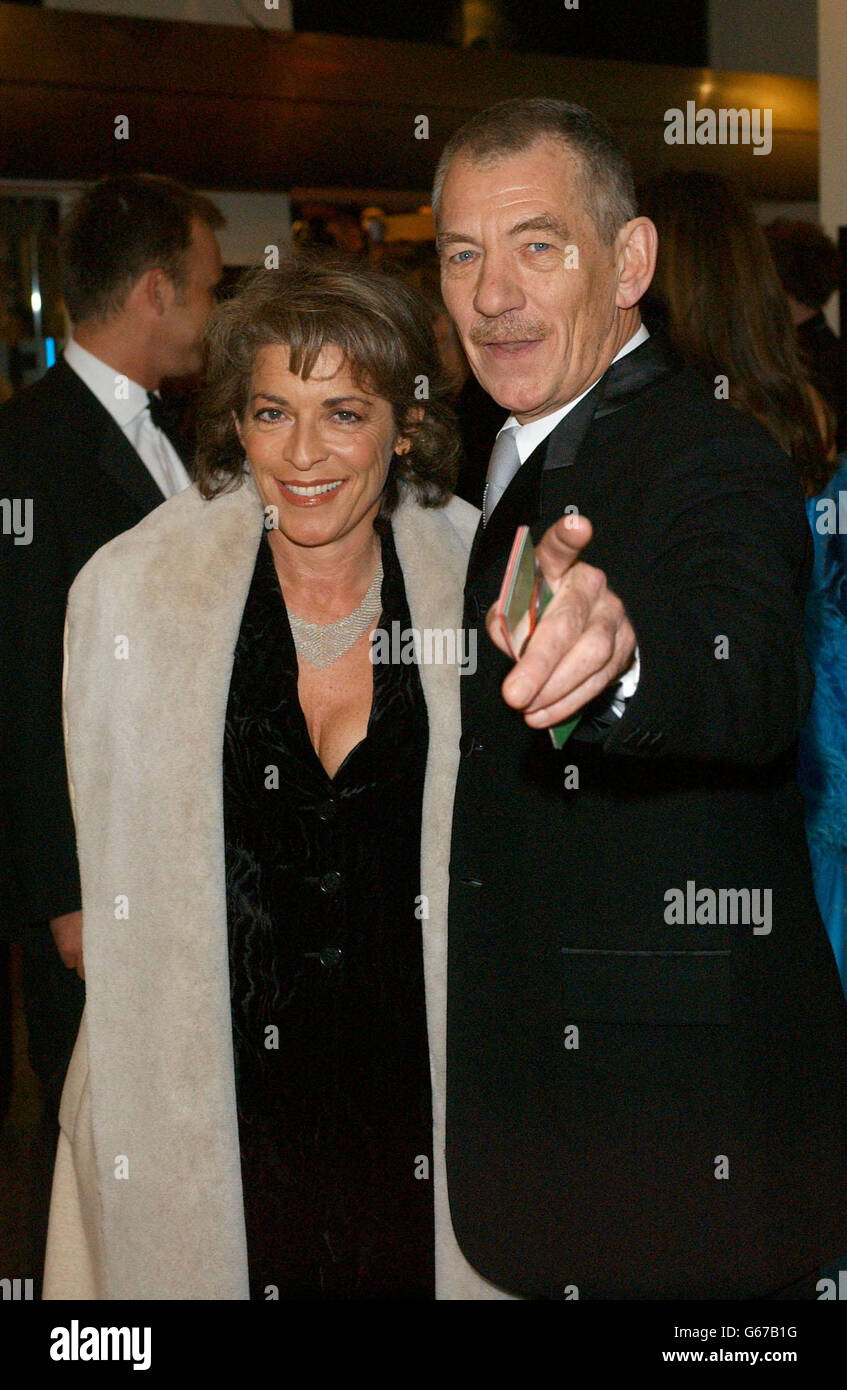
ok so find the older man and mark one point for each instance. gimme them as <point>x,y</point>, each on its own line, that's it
<point>647,1041</point>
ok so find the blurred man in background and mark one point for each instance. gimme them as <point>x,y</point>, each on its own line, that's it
<point>86,453</point>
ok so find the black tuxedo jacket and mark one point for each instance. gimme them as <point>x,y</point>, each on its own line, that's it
<point>60,448</point>
<point>641,1107</point>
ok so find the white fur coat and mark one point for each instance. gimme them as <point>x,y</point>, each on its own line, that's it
<point>147,1196</point>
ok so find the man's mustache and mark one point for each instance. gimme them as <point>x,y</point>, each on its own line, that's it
<point>507,330</point>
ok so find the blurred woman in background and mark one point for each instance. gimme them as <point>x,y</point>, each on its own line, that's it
<point>717,291</point>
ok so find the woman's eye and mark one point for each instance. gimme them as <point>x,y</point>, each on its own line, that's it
<point>346,416</point>
<point>269,415</point>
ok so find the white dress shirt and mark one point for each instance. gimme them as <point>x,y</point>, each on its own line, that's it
<point>527,438</point>
<point>129,407</point>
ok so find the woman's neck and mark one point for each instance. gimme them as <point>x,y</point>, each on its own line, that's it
<point>325,582</point>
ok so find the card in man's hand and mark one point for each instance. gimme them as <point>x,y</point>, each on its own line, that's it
<point>523,597</point>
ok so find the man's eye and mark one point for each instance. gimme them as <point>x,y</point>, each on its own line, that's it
<point>460,255</point>
<point>540,245</point>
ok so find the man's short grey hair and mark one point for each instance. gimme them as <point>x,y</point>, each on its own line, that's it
<point>513,126</point>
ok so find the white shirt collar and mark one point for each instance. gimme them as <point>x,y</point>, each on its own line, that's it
<point>103,381</point>
<point>529,436</point>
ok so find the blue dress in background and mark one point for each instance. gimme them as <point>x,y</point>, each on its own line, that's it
<point>822,763</point>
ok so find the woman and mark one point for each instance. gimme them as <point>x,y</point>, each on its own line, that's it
<point>248,1111</point>
<point>717,289</point>
<point>727,314</point>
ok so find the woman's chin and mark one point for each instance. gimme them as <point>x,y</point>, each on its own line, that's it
<point>315,530</point>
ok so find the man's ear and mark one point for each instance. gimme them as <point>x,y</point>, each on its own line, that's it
<point>153,292</point>
<point>636,247</point>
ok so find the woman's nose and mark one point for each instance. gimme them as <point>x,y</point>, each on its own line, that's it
<point>303,447</point>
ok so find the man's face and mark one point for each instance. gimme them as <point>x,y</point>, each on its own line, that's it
<point>193,302</point>
<point>529,284</point>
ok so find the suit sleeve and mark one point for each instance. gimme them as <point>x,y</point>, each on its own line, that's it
<point>718,610</point>
<point>41,878</point>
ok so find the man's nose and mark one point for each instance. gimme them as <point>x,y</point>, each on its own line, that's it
<point>497,289</point>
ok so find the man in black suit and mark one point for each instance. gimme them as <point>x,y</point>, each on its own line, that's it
<point>85,453</point>
<point>647,1040</point>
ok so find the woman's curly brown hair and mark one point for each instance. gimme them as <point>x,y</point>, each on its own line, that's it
<point>727,314</point>
<point>383,329</point>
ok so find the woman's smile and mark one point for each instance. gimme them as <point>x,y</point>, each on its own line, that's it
<point>309,494</point>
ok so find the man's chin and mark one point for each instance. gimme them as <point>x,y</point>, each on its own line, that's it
<point>517,397</point>
<point>521,404</point>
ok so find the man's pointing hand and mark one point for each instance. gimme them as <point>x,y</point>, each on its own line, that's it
<point>583,641</point>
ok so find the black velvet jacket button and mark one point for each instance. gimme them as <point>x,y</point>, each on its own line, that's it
<point>330,882</point>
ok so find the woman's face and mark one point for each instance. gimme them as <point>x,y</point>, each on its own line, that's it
<point>319,449</point>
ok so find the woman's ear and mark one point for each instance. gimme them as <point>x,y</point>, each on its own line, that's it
<point>414,416</point>
<point>237,423</point>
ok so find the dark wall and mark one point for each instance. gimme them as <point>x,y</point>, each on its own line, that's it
<point>417,21</point>
<point>646,31</point>
<point>655,31</point>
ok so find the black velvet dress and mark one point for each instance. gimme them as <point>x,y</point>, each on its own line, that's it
<point>326,971</point>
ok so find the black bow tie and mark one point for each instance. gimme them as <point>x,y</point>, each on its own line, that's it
<point>165,413</point>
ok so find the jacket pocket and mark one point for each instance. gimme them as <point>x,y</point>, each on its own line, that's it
<point>652,987</point>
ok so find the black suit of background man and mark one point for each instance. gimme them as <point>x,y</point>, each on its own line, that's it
<point>60,448</point>
<point>139,266</point>
<point>688,1140</point>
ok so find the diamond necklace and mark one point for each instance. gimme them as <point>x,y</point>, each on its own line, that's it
<point>323,643</point>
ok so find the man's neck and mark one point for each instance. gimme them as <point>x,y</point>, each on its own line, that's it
<point>626,328</point>
<point>114,344</point>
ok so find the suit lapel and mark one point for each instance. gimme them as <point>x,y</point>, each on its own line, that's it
<point>115,455</point>
<point>636,373</point>
<point>117,458</point>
